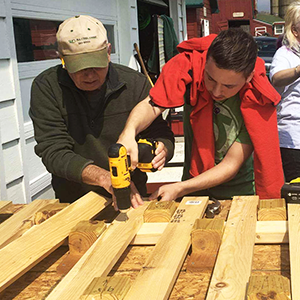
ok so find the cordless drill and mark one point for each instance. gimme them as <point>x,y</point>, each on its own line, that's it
<point>120,169</point>
<point>290,191</point>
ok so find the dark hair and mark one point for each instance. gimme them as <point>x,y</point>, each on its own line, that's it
<point>234,49</point>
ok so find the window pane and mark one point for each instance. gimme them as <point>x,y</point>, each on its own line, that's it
<point>111,36</point>
<point>279,29</point>
<point>35,39</point>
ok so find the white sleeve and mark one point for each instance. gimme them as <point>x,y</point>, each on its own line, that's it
<point>281,61</point>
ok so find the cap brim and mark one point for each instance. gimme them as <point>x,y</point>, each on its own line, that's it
<point>97,59</point>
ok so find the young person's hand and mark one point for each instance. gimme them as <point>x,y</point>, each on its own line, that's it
<point>161,153</point>
<point>168,192</point>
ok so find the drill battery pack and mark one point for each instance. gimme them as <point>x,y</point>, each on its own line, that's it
<point>291,191</point>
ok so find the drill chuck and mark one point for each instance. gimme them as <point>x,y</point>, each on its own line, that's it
<point>123,198</point>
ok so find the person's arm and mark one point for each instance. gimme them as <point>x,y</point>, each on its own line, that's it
<point>55,145</point>
<point>223,172</point>
<point>286,77</point>
<point>139,119</point>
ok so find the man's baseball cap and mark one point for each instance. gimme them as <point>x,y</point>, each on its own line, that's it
<point>82,43</point>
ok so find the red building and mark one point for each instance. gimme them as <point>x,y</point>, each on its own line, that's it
<point>199,17</point>
<point>234,13</point>
<point>212,16</point>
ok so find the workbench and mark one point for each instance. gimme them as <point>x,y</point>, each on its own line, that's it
<point>38,282</point>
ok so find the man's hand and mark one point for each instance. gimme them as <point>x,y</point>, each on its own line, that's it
<point>95,175</point>
<point>167,192</point>
<point>161,153</point>
<point>135,197</point>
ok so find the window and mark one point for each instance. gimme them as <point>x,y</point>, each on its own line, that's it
<point>36,39</point>
<point>279,29</point>
<point>111,36</point>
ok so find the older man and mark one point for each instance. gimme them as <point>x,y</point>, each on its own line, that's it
<point>79,109</point>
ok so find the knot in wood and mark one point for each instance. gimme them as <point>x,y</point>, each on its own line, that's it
<point>270,296</point>
<point>221,284</point>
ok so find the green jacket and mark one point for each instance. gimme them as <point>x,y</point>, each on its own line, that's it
<point>70,135</point>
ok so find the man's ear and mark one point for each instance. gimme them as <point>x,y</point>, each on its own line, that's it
<point>249,78</point>
<point>62,61</point>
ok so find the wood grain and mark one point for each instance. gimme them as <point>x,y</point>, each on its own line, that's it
<point>272,232</point>
<point>4,204</point>
<point>101,257</point>
<point>21,221</point>
<point>294,239</point>
<point>25,252</point>
<point>206,240</point>
<point>271,210</point>
<point>48,211</point>
<point>158,275</point>
<point>233,265</point>
<point>269,287</point>
<point>159,211</point>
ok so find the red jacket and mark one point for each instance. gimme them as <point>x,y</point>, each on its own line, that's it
<point>258,100</point>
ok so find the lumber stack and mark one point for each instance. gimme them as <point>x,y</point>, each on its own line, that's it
<point>26,251</point>
<point>222,250</point>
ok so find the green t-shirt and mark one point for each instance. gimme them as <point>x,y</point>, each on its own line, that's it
<point>228,127</point>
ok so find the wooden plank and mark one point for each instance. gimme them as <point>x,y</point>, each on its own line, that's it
<point>267,232</point>
<point>233,265</point>
<point>271,210</point>
<point>8,211</point>
<point>158,275</point>
<point>101,257</point>
<point>272,232</point>
<point>81,238</point>
<point>159,211</point>
<point>206,240</point>
<point>48,211</point>
<point>21,221</point>
<point>149,234</point>
<point>25,252</point>
<point>294,239</point>
<point>107,288</point>
<point>4,204</point>
<point>268,287</point>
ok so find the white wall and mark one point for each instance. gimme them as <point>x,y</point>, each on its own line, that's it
<point>23,177</point>
<point>13,176</point>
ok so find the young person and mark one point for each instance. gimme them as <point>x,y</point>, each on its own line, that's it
<point>231,114</point>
